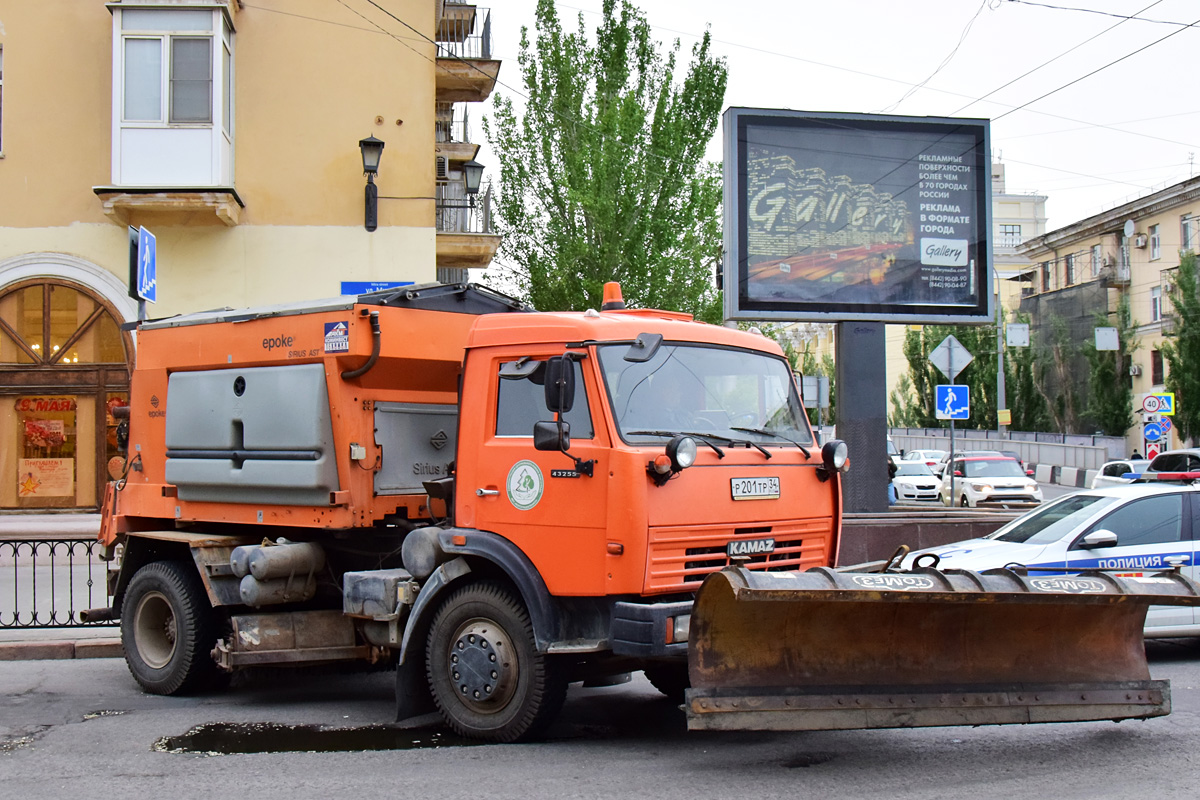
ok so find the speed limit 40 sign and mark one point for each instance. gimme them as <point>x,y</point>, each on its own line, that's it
<point>1161,403</point>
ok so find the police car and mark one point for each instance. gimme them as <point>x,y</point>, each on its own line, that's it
<point>1133,530</point>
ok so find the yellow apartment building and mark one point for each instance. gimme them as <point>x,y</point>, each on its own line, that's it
<point>231,131</point>
<point>1130,251</point>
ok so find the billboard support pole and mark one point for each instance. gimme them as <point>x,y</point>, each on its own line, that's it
<point>861,355</point>
<point>950,463</point>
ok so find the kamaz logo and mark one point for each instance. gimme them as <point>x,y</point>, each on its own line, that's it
<point>750,547</point>
<point>1068,585</point>
<point>895,583</point>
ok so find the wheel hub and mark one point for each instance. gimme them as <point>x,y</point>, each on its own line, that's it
<point>481,665</point>
<point>155,630</point>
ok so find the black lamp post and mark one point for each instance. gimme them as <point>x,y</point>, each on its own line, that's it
<point>372,151</point>
<point>472,176</point>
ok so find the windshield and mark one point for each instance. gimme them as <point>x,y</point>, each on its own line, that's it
<point>993,468</point>
<point>913,468</point>
<point>733,394</point>
<point>1053,522</point>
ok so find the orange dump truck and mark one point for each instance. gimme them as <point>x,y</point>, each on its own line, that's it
<point>503,502</point>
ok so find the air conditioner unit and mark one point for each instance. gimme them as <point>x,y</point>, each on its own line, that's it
<point>1135,370</point>
<point>1140,240</point>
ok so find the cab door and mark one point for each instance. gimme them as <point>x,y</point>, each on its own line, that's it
<point>1153,533</point>
<point>540,500</point>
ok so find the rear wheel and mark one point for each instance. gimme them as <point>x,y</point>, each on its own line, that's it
<point>484,671</point>
<point>168,629</point>
<point>964,503</point>
<point>670,679</point>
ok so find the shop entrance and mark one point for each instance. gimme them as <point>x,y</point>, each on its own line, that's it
<point>64,366</point>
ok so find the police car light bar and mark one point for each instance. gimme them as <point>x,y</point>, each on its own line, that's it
<point>1179,477</point>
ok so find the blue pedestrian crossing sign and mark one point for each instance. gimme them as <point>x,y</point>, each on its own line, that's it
<point>147,267</point>
<point>953,401</point>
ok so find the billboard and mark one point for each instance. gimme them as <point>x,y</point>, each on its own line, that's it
<point>856,217</point>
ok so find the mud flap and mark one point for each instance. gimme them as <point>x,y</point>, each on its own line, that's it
<point>828,650</point>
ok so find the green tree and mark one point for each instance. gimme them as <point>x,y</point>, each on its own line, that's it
<point>1181,351</point>
<point>1022,385</point>
<point>1060,350</point>
<point>1110,391</point>
<point>602,175</point>
<point>979,375</point>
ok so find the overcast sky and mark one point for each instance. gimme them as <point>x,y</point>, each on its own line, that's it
<point>1120,133</point>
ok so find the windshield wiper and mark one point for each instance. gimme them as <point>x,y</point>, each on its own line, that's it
<point>704,437</point>
<point>765,432</point>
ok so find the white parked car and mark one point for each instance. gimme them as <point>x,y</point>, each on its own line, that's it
<point>1133,530</point>
<point>989,480</point>
<point>914,481</point>
<point>1113,473</point>
<point>927,457</point>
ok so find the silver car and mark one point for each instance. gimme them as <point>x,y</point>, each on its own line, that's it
<point>1113,473</point>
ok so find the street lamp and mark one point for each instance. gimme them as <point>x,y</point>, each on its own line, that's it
<point>372,151</point>
<point>472,176</point>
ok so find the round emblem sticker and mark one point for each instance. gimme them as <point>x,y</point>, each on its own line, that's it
<point>524,485</point>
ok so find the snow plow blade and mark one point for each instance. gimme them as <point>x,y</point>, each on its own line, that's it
<point>840,650</point>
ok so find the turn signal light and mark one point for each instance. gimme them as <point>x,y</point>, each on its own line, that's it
<point>662,464</point>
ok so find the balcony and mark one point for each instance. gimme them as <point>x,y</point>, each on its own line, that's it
<point>466,70</point>
<point>1115,274</point>
<point>452,134</point>
<point>465,237</point>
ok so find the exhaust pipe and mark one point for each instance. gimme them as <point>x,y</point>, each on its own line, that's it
<point>98,615</point>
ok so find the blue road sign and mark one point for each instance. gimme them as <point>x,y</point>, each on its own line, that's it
<point>364,287</point>
<point>1153,432</point>
<point>147,268</point>
<point>1165,424</point>
<point>953,401</point>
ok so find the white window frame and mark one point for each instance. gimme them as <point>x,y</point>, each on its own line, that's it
<point>1156,304</point>
<point>219,126</point>
<point>1187,233</point>
<point>1069,270</point>
<point>1155,242</point>
<point>1097,258</point>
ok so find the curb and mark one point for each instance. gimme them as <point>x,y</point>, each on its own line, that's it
<point>42,651</point>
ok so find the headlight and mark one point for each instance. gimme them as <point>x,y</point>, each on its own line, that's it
<point>835,454</point>
<point>682,452</point>
<point>981,487</point>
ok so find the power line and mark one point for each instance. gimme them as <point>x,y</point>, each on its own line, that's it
<point>957,45</point>
<point>1134,16</point>
<point>1051,61</point>
<point>1093,72</point>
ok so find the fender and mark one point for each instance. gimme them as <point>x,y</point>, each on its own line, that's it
<point>458,543</point>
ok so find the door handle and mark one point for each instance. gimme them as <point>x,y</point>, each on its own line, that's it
<point>486,492</point>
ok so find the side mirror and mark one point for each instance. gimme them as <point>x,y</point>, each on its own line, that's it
<point>1100,538</point>
<point>560,385</point>
<point>1028,473</point>
<point>545,436</point>
<point>957,474</point>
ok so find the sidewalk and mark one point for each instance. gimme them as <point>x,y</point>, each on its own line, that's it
<point>24,644</point>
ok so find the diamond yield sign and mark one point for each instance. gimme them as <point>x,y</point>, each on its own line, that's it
<point>950,354</point>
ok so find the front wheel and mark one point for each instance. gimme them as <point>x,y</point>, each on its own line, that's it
<point>484,671</point>
<point>168,629</point>
<point>964,503</point>
<point>671,679</point>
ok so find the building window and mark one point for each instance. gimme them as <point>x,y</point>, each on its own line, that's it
<point>1,99</point>
<point>1045,276</point>
<point>1010,235</point>
<point>1156,367</point>
<point>1155,243</point>
<point>1187,233</point>
<point>1096,259</point>
<point>1069,267</point>
<point>173,95</point>
<point>1156,304</point>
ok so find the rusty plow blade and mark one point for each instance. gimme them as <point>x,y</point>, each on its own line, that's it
<point>829,650</point>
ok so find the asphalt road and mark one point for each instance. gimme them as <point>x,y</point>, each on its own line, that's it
<point>81,728</point>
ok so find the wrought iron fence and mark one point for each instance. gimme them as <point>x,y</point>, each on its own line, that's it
<point>463,214</point>
<point>465,32</point>
<point>45,583</point>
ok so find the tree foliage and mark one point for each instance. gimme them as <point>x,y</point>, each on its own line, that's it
<point>602,175</point>
<point>917,406</point>
<point>1110,390</point>
<point>1181,351</point>
<point>1023,387</point>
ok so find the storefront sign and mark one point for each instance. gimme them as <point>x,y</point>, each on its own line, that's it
<point>44,404</point>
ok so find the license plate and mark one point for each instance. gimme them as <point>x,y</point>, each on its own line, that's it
<point>755,488</point>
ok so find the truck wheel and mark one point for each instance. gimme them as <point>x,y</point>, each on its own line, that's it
<point>168,629</point>
<point>670,679</point>
<point>485,673</point>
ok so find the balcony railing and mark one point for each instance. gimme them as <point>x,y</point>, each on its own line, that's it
<point>1008,241</point>
<point>458,214</point>
<point>465,32</point>
<point>452,124</point>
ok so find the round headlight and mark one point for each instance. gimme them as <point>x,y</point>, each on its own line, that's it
<point>682,451</point>
<point>835,454</point>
